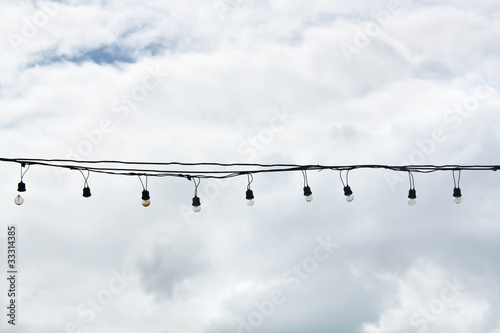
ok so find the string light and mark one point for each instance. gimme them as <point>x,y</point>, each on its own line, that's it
<point>161,169</point>
<point>349,196</point>
<point>21,187</point>
<point>457,193</point>
<point>196,200</point>
<point>145,193</point>
<point>193,171</point>
<point>307,190</point>
<point>249,193</point>
<point>412,194</point>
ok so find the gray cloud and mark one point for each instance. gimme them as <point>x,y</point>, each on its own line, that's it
<point>224,69</point>
<point>171,261</point>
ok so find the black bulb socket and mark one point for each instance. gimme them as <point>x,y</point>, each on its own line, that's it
<point>21,187</point>
<point>457,193</point>
<point>412,194</point>
<point>196,201</point>
<point>249,195</point>
<point>145,195</point>
<point>307,191</point>
<point>347,191</point>
<point>86,192</point>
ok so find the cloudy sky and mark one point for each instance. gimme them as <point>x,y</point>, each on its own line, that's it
<point>303,82</point>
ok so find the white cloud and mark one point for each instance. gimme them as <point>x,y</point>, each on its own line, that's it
<point>430,300</point>
<point>82,87</point>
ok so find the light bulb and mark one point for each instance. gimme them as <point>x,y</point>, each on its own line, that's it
<point>308,194</point>
<point>250,197</point>
<point>412,197</point>
<point>86,192</point>
<point>196,204</point>
<point>21,187</point>
<point>18,200</point>
<point>457,195</point>
<point>348,193</point>
<point>145,198</point>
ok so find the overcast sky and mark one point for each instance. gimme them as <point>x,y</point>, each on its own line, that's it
<point>279,81</point>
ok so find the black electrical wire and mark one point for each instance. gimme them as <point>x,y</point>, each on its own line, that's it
<point>457,184</point>
<point>196,182</point>
<point>250,180</point>
<point>412,180</point>
<point>86,184</point>
<point>220,170</point>
<point>23,173</point>
<point>306,181</point>
<point>346,178</point>
<point>145,188</point>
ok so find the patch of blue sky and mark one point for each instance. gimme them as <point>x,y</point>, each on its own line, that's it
<point>104,55</point>
<point>434,70</point>
<point>108,54</point>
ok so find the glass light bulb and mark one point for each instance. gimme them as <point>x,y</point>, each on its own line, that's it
<point>18,200</point>
<point>457,200</point>
<point>196,209</point>
<point>146,203</point>
<point>309,198</point>
<point>412,202</point>
<point>251,202</point>
<point>349,198</point>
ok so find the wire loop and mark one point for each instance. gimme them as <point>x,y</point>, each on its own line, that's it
<point>23,165</point>
<point>457,184</point>
<point>145,188</point>
<point>86,184</point>
<point>196,185</point>
<point>250,180</point>
<point>412,180</point>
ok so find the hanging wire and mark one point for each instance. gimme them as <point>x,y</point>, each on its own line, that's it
<point>23,173</point>
<point>346,178</point>
<point>306,182</point>
<point>198,171</point>
<point>196,185</point>
<point>457,184</point>
<point>220,170</point>
<point>86,184</point>
<point>412,180</point>
<point>250,180</point>
<point>145,188</point>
